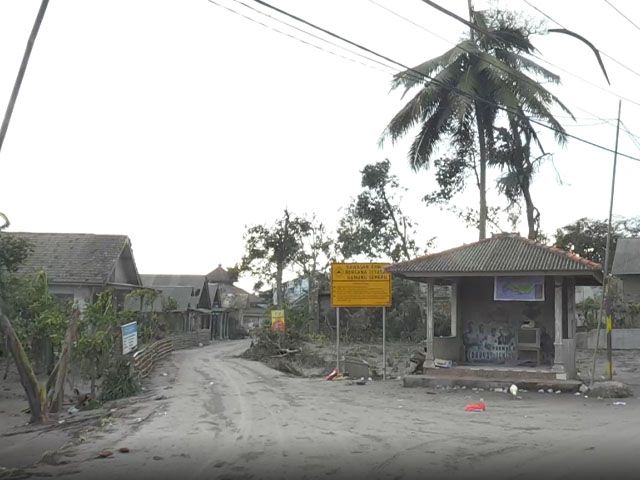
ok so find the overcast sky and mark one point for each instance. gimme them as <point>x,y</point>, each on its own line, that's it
<point>178,123</point>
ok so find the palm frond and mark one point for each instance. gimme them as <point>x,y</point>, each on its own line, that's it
<point>430,133</point>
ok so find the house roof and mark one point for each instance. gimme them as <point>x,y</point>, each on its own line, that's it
<point>219,275</point>
<point>626,260</point>
<point>196,282</point>
<point>234,297</point>
<point>76,258</point>
<point>184,296</point>
<point>500,254</point>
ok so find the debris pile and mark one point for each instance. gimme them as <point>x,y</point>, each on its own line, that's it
<point>286,352</point>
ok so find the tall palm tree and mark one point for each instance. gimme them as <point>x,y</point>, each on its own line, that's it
<point>462,93</point>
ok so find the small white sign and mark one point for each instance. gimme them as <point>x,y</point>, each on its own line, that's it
<point>129,337</point>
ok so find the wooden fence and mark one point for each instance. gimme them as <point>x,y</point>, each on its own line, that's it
<point>145,358</point>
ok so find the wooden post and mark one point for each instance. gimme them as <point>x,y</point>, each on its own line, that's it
<point>558,361</point>
<point>429,353</point>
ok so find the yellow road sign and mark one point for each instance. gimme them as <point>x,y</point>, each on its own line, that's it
<point>360,285</point>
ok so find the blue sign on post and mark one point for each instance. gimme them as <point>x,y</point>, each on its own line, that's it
<point>129,337</point>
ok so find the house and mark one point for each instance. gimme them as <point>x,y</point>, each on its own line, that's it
<point>81,265</point>
<point>512,303</point>
<point>238,311</point>
<point>189,295</point>
<point>626,267</point>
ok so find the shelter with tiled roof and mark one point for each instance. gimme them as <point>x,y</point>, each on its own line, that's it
<point>512,302</point>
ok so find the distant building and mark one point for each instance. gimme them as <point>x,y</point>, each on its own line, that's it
<point>190,295</point>
<point>626,266</point>
<point>240,309</point>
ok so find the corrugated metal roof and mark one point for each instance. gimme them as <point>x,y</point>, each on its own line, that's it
<point>626,260</point>
<point>504,253</point>
<point>77,258</point>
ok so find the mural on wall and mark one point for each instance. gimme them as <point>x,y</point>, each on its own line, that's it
<point>489,342</point>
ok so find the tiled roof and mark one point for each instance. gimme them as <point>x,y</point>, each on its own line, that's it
<point>77,258</point>
<point>626,260</point>
<point>183,296</point>
<point>504,253</point>
<point>196,282</point>
<point>219,275</point>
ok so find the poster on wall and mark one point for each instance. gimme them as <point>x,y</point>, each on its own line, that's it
<point>519,289</point>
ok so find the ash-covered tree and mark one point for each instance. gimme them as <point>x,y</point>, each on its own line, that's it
<point>28,310</point>
<point>313,261</point>
<point>588,237</point>
<point>374,223</point>
<point>461,94</point>
<point>271,249</point>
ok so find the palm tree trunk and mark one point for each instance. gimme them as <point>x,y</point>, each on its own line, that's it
<point>524,179</point>
<point>23,68</point>
<point>482,184</point>
<point>531,218</point>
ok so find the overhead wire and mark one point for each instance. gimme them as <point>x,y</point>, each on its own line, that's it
<point>214,2</point>
<point>422,76</point>
<point>603,53</point>
<point>446,40</point>
<point>622,14</point>
<point>342,47</point>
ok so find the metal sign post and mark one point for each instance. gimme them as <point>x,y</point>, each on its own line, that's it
<point>361,285</point>
<point>384,343</point>
<point>338,339</point>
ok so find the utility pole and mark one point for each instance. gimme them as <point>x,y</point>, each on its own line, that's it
<point>23,68</point>
<point>605,307</point>
<point>607,255</point>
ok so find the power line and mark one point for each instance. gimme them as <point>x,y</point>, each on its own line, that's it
<point>342,47</point>
<point>396,14</point>
<point>621,14</point>
<point>434,80</point>
<point>299,39</point>
<point>604,54</point>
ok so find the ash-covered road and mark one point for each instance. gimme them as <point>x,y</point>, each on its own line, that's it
<point>225,417</point>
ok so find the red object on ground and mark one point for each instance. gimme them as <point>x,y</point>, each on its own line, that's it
<point>332,375</point>
<point>476,407</point>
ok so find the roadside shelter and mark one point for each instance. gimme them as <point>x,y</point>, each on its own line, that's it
<point>512,303</point>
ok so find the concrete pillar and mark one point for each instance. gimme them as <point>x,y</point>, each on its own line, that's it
<point>430,353</point>
<point>558,361</point>
<point>454,309</point>
<point>571,307</point>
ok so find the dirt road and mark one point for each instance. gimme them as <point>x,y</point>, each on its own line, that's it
<point>212,415</point>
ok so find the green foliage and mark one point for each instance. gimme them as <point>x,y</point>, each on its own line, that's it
<point>13,252</point>
<point>270,249</point>
<point>35,313</point>
<point>460,109</point>
<point>151,324</point>
<point>374,224</point>
<point>169,304</point>
<point>588,238</point>
<point>120,380</point>
<point>99,334</point>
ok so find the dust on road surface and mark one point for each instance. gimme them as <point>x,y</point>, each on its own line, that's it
<point>218,416</point>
